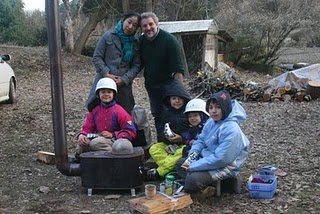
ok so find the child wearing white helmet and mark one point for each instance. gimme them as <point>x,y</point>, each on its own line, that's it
<point>107,122</point>
<point>197,116</point>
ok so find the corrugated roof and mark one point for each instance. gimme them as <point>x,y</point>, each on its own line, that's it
<point>208,26</point>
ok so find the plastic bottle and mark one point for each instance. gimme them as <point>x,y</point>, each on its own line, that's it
<point>169,184</point>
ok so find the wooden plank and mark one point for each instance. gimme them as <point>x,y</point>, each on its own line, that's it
<point>46,157</point>
<point>211,50</point>
<point>160,204</point>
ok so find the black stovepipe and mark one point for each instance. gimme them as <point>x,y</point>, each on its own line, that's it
<point>57,98</point>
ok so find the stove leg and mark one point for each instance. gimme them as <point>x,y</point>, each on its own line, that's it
<point>89,192</point>
<point>133,192</point>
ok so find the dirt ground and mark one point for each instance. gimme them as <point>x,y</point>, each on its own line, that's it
<point>283,134</point>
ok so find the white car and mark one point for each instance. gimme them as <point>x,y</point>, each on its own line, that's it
<point>7,80</point>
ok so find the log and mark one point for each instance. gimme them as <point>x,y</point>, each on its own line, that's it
<point>46,157</point>
<point>281,90</point>
<point>49,157</point>
<point>292,91</point>
<point>276,100</point>
<point>313,89</point>
<point>277,95</point>
<point>287,86</point>
<point>286,97</point>
<point>267,94</point>
<point>237,84</point>
<point>299,96</point>
<point>307,97</point>
<point>247,91</point>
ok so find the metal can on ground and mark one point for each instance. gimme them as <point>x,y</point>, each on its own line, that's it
<point>162,187</point>
<point>169,184</point>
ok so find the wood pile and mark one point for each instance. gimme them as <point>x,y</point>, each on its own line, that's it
<point>160,203</point>
<point>209,82</point>
<point>288,92</point>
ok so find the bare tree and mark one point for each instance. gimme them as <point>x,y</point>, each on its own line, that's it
<point>183,9</point>
<point>125,6</point>
<point>264,25</point>
<point>94,10</point>
<point>149,5</point>
<point>70,23</point>
<point>88,28</point>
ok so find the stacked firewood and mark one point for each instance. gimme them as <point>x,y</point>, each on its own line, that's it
<point>207,83</point>
<point>287,92</point>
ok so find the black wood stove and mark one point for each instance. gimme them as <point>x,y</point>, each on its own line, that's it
<point>104,170</point>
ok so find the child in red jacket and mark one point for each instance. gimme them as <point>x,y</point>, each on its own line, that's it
<point>106,122</point>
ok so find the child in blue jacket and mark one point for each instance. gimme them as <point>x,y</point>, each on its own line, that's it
<point>221,149</point>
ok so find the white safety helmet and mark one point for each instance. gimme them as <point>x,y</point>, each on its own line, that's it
<point>106,83</point>
<point>196,105</point>
<point>122,146</point>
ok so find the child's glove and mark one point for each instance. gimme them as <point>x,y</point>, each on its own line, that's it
<point>167,131</point>
<point>171,149</point>
<point>193,156</point>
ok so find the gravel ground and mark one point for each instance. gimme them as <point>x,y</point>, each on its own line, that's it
<point>283,134</point>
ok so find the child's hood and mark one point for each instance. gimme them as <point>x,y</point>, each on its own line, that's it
<point>238,113</point>
<point>175,88</point>
<point>223,99</point>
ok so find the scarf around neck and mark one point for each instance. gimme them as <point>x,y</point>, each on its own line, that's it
<point>126,40</point>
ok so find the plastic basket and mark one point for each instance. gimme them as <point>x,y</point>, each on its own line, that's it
<point>263,190</point>
<point>267,170</point>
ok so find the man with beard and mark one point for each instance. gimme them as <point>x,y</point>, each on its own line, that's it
<point>162,61</point>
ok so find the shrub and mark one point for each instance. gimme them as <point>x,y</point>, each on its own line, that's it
<point>88,51</point>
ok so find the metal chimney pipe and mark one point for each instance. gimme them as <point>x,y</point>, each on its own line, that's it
<point>57,96</point>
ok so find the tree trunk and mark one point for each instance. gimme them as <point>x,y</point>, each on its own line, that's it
<point>149,5</point>
<point>87,30</point>
<point>125,6</point>
<point>68,27</point>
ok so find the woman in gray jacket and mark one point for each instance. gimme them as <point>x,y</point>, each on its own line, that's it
<point>117,56</point>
